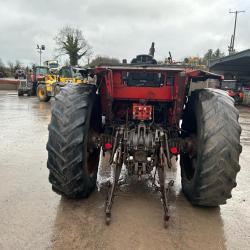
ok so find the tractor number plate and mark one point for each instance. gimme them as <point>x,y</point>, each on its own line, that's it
<point>142,112</point>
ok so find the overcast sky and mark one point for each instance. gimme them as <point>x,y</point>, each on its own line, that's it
<point>122,29</point>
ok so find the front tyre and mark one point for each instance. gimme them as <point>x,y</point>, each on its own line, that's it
<point>42,93</point>
<point>72,158</point>
<point>210,164</point>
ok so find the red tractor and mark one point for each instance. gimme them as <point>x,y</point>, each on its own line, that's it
<point>234,89</point>
<point>37,76</point>
<point>144,114</point>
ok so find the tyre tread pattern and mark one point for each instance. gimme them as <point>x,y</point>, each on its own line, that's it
<point>67,135</point>
<point>216,175</point>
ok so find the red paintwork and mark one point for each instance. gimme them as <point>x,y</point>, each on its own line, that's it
<point>121,91</point>
<point>231,93</point>
<point>113,88</point>
<point>234,94</point>
<point>40,77</point>
<point>32,77</point>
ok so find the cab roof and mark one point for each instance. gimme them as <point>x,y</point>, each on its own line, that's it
<point>150,67</point>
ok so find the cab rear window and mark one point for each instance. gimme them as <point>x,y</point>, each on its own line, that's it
<point>142,78</point>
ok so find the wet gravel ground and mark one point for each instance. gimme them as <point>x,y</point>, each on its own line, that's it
<point>33,217</point>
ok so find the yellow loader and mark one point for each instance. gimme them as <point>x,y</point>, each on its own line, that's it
<point>53,83</point>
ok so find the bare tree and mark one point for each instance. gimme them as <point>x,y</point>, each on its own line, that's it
<point>1,63</point>
<point>71,42</point>
<point>11,67</point>
<point>2,68</point>
<point>17,65</point>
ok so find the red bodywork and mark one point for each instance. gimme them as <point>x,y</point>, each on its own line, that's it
<point>36,76</point>
<point>141,106</point>
<point>113,88</point>
<point>238,96</point>
<point>116,88</point>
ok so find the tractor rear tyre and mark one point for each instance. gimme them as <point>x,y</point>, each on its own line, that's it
<point>72,158</point>
<point>42,93</point>
<point>210,165</point>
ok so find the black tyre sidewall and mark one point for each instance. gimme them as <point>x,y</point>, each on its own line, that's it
<point>91,180</point>
<point>189,185</point>
<point>69,100</point>
<point>217,133</point>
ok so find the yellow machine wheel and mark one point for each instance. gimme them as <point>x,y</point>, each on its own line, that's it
<point>42,93</point>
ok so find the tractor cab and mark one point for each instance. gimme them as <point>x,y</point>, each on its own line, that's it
<point>39,73</point>
<point>144,59</point>
<point>70,74</point>
<point>35,76</point>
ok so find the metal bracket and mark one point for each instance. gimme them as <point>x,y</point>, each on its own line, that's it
<point>116,170</point>
<point>164,187</point>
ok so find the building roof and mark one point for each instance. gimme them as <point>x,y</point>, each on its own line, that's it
<point>237,64</point>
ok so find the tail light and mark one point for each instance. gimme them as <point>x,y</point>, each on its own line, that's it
<point>174,150</point>
<point>107,146</point>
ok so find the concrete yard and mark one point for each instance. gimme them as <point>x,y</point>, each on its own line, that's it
<point>34,217</point>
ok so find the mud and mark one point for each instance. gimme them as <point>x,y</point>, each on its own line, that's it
<point>33,217</point>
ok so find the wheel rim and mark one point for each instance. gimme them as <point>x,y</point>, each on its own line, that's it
<point>40,92</point>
